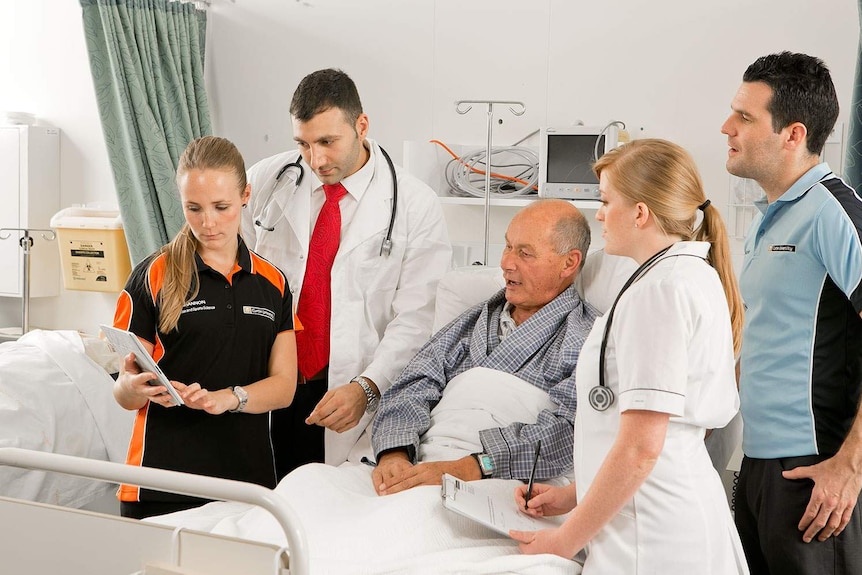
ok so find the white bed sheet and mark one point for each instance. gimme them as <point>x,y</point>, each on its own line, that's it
<point>350,529</point>
<point>55,398</point>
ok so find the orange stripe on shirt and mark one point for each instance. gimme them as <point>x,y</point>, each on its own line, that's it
<point>135,455</point>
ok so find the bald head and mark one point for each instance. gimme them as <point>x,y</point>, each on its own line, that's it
<point>567,227</point>
<point>545,247</point>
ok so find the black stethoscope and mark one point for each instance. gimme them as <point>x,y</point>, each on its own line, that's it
<point>601,397</point>
<point>299,172</point>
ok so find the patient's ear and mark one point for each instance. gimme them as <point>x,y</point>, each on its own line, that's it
<point>572,263</point>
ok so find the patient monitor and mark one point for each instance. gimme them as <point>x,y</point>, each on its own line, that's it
<point>566,158</point>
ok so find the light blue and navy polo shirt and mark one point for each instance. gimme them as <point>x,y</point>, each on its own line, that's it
<point>801,362</point>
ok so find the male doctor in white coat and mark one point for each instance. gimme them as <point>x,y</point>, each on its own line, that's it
<point>382,292</point>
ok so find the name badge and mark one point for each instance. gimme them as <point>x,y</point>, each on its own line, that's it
<point>782,248</point>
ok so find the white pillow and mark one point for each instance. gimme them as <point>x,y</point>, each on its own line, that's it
<point>462,288</point>
<point>603,277</point>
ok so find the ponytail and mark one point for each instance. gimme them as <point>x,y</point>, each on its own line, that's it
<point>712,230</point>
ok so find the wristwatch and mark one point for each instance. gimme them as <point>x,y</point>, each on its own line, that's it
<point>486,464</point>
<point>372,400</point>
<point>242,396</point>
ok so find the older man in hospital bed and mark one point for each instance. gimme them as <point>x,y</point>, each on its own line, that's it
<point>351,529</point>
<point>519,348</point>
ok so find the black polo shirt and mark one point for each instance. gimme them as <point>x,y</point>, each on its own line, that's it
<point>223,338</point>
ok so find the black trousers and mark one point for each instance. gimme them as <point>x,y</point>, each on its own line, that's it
<point>144,509</point>
<point>295,443</point>
<point>767,513</point>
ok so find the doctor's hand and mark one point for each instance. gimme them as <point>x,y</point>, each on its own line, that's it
<point>132,390</point>
<point>546,500</point>
<point>544,541</point>
<point>340,409</point>
<point>833,498</point>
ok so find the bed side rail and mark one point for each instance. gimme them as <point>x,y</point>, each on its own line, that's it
<point>173,482</point>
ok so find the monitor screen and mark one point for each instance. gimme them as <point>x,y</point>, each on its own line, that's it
<point>570,158</point>
<point>566,160</point>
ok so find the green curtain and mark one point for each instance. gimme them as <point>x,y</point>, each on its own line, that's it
<point>853,154</point>
<point>146,57</point>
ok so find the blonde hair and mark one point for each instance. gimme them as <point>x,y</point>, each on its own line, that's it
<point>663,176</point>
<point>181,281</point>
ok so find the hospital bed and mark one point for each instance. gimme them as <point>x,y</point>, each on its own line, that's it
<point>334,510</point>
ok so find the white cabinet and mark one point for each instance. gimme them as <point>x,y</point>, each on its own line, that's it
<point>29,196</point>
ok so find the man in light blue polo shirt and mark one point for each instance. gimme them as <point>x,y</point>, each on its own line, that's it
<point>801,361</point>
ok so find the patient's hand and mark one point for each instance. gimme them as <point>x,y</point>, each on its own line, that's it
<point>397,474</point>
<point>340,409</point>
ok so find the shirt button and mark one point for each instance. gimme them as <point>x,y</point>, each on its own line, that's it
<point>226,286</point>
<point>230,306</point>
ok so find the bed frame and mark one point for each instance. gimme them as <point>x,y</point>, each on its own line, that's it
<point>39,538</point>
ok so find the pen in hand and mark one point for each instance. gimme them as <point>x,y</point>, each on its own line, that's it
<point>532,474</point>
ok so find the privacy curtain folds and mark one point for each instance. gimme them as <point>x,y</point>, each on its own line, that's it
<point>147,61</point>
<point>853,157</point>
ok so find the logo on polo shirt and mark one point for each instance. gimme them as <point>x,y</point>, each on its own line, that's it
<point>782,248</point>
<point>261,311</point>
<point>197,305</point>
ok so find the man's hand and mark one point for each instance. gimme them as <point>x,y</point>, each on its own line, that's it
<point>340,409</point>
<point>395,473</point>
<point>833,498</point>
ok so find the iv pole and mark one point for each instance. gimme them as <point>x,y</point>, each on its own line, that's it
<point>26,242</point>
<point>518,109</point>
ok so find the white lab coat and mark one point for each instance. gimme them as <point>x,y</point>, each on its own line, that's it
<point>670,350</point>
<point>382,306</point>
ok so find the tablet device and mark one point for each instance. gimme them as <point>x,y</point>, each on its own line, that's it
<point>124,343</point>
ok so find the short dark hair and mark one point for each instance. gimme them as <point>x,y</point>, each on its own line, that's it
<point>802,91</point>
<point>325,89</point>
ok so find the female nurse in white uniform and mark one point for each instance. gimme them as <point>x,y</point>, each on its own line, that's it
<point>656,372</point>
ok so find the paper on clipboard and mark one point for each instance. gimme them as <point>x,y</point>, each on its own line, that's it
<point>490,502</point>
<point>125,342</point>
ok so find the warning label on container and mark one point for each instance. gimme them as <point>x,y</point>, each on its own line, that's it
<point>87,262</point>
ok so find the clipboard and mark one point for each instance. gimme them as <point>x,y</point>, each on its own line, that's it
<point>491,503</point>
<point>125,342</point>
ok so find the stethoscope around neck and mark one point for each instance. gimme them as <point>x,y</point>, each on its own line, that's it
<point>601,397</point>
<point>298,172</point>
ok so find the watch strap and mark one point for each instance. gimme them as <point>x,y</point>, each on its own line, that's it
<point>242,397</point>
<point>371,398</point>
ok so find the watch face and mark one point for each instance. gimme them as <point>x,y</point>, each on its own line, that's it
<point>372,404</point>
<point>486,463</point>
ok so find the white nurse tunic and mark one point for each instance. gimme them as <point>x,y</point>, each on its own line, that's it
<point>670,350</point>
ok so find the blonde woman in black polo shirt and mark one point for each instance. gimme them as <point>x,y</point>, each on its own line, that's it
<point>219,321</point>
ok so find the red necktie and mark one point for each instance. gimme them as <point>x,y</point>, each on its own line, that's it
<point>315,300</point>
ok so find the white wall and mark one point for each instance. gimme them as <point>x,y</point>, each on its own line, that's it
<point>666,69</point>
<point>44,70</point>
